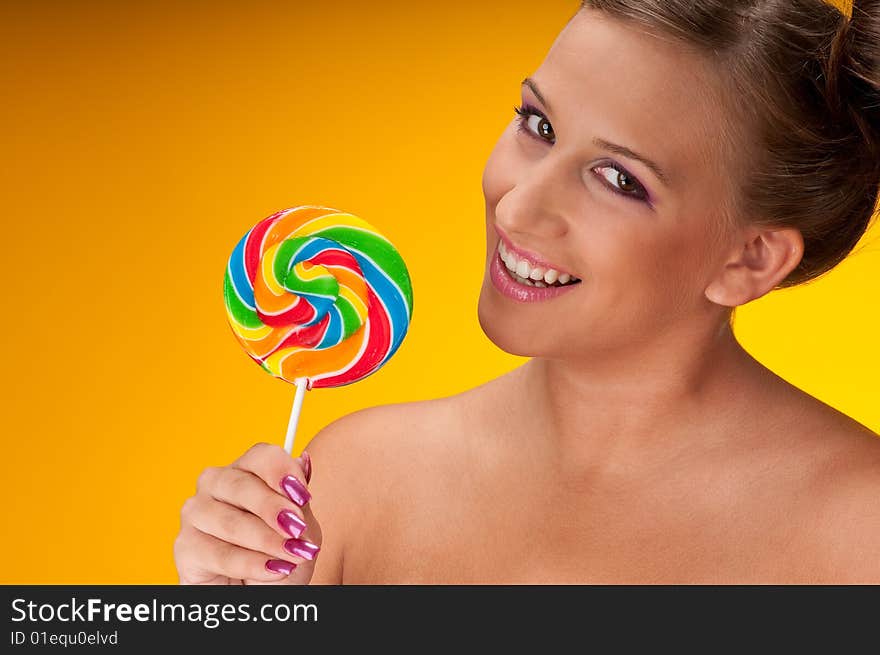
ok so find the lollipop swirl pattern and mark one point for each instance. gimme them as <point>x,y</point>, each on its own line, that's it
<point>312,292</point>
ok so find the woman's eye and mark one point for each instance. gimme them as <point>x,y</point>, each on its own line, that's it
<point>621,181</point>
<point>533,120</point>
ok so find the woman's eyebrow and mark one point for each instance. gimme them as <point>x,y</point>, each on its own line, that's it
<point>623,151</point>
<point>529,82</point>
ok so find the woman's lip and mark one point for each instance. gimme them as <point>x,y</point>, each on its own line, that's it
<point>509,287</point>
<point>534,258</point>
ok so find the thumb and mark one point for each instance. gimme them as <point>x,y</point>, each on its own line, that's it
<point>305,462</point>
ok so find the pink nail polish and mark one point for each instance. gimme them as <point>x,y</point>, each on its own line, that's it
<point>307,465</point>
<point>295,490</point>
<point>280,566</point>
<point>291,523</point>
<point>301,548</point>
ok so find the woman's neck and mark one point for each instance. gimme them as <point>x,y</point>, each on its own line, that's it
<point>663,399</point>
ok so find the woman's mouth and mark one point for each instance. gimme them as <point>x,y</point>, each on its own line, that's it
<point>530,274</point>
<point>524,281</point>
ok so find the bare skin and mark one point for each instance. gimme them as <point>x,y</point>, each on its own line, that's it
<point>776,488</point>
<point>640,443</point>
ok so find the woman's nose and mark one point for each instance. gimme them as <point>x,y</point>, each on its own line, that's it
<point>537,203</point>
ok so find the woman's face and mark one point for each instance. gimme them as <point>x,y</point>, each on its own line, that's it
<point>643,238</point>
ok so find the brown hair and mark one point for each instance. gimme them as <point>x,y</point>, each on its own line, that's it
<point>804,79</point>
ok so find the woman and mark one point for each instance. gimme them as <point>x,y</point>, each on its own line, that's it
<point>671,160</point>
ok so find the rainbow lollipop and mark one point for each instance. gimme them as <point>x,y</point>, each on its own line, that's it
<point>317,297</point>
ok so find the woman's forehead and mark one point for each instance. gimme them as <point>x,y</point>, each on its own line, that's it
<point>607,79</point>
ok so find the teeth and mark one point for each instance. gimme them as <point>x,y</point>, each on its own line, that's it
<point>525,273</point>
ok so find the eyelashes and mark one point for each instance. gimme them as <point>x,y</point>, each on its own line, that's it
<point>526,111</point>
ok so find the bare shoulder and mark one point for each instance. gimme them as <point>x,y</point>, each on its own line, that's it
<point>844,502</point>
<point>395,443</point>
<point>365,460</point>
<point>376,439</point>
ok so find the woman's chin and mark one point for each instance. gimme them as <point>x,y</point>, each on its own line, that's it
<point>507,335</point>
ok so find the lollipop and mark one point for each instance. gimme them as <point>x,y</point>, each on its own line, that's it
<point>317,297</point>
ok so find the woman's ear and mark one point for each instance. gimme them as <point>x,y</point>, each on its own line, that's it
<point>760,260</point>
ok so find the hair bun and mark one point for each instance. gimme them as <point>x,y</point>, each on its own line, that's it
<point>838,56</point>
<point>853,72</point>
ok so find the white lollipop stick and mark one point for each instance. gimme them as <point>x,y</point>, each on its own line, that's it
<point>294,413</point>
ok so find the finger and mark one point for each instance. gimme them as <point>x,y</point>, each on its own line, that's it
<point>301,575</point>
<point>244,529</point>
<point>246,491</point>
<point>314,530</point>
<point>203,554</point>
<point>306,460</point>
<point>278,469</point>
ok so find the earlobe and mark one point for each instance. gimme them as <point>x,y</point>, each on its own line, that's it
<point>756,266</point>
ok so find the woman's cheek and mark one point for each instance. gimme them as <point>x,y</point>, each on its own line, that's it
<point>639,268</point>
<point>674,271</point>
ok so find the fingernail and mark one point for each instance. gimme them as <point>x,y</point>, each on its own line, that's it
<point>295,490</point>
<point>307,465</point>
<point>280,566</point>
<point>291,523</point>
<point>301,548</point>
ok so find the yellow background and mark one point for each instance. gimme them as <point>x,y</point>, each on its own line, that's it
<point>140,142</point>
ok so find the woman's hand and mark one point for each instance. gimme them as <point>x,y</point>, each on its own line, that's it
<point>250,522</point>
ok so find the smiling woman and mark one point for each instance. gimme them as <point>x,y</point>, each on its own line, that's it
<point>670,161</point>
